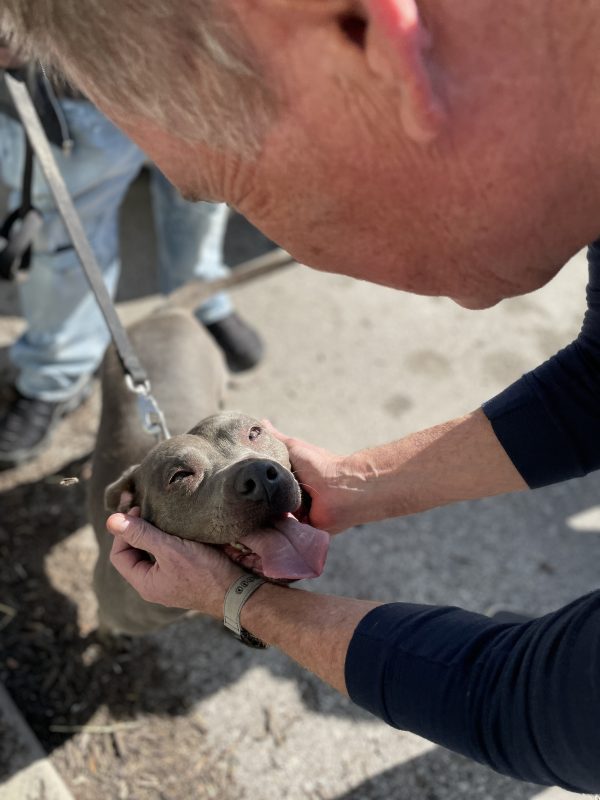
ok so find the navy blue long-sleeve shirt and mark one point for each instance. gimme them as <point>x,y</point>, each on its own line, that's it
<point>523,698</point>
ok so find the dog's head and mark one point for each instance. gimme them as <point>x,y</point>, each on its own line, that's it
<point>227,482</point>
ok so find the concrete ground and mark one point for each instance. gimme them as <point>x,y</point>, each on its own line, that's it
<point>348,365</point>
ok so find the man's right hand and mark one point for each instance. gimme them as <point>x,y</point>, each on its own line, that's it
<point>458,460</point>
<point>327,478</point>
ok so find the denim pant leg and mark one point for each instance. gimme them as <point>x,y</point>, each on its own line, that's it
<point>66,334</point>
<point>190,244</point>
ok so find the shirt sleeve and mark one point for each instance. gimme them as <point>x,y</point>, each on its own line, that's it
<point>522,698</point>
<point>549,421</point>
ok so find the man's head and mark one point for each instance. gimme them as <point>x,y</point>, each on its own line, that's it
<point>438,147</point>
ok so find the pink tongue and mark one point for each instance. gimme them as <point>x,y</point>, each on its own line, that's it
<point>290,550</point>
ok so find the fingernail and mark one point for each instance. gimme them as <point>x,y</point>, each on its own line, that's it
<point>118,523</point>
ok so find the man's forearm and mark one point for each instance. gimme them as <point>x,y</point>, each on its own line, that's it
<point>458,460</point>
<point>521,698</point>
<point>313,629</point>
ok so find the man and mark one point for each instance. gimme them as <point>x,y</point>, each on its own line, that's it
<point>66,334</point>
<point>438,147</point>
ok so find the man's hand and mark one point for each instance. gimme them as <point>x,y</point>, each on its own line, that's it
<point>184,574</point>
<point>313,629</point>
<point>330,480</point>
<point>458,460</point>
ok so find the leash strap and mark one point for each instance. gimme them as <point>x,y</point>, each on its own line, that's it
<point>135,373</point>
<point>20,228</point>
<point>16,238</point>
<point>195,292</point>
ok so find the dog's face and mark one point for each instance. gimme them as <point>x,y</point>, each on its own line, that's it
<point>226,482</point>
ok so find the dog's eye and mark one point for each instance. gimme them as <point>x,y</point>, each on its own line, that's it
<point>180,475</point>
<point>254,433</point>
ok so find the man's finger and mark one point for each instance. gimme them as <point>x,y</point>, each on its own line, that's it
<point>131,563</point>
<point>268,425</point>
<point>138,533</point>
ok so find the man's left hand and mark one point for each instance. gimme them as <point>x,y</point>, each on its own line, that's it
<point>184,574</point>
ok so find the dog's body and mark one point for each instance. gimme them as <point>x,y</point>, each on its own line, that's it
<point>226,482</point>
<point>188,376</point>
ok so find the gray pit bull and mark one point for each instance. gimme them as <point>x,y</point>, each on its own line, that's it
<point>225,481</point>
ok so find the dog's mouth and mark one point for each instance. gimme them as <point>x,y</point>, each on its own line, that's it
<point>288,551</point>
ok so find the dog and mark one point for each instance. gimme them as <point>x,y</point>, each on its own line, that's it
<point>222,480</point>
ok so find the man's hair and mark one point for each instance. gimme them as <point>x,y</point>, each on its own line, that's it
<point>180,63</point>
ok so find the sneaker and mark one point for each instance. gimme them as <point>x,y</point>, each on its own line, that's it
<point>27,426</point>
<point>239,342</point>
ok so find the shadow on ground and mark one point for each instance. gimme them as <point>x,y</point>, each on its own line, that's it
<point>439,775</point>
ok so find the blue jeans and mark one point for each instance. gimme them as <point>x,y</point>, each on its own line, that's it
<point>66,335</point>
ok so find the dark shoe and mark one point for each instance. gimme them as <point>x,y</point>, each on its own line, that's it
<point>239,342</point>
<point>28,424</point>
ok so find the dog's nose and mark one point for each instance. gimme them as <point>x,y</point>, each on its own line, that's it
<point>259,480</point>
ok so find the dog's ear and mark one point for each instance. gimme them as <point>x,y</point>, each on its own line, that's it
<point>122,494</point>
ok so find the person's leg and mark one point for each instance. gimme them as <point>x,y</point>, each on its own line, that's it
<point>190,245</point>
<point>66,335</point>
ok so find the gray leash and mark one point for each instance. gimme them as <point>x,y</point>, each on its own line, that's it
<point>136,376</point>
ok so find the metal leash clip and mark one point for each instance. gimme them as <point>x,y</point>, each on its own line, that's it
<point>153,419</point>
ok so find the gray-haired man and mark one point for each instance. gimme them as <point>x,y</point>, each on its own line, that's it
<point>439,147</point>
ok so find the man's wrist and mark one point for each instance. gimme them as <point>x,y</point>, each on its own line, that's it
<point>311,628</point>
<point>370,484</point>
<point>259,615</point>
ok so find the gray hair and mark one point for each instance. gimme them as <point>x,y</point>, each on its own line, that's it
<point>180,63</point>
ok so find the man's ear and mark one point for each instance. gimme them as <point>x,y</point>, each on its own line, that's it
<point>122,494</point>
<point>397,46</point>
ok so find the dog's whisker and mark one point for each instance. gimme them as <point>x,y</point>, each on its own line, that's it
<point>304,485</point>
<point>308,486</point>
